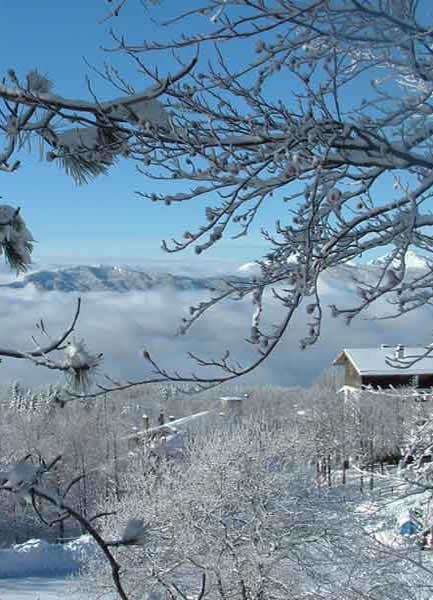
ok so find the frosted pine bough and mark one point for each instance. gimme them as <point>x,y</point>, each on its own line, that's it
<point>86,152</point>
<point>16,241</point>
<point>81,364</point>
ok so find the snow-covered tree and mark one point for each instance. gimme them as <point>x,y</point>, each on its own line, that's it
<point>240,519</point>
<point>326,111</point>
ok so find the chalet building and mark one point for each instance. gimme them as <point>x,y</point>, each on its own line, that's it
<point>373,367</point>
<point>168,438</point>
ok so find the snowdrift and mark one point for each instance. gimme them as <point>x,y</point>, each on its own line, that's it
<point>37,558</point>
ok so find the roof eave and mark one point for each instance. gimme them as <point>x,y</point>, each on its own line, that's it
<point>340,359</point>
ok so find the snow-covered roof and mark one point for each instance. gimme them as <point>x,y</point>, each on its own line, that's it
<point>182,424</point>
<point>372,361</point>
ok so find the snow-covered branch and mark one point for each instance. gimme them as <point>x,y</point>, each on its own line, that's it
<point>327,109</point>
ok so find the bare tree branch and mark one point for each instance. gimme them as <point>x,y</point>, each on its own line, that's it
<point>275,125</point>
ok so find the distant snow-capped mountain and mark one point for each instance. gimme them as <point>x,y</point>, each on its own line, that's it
<point>413,261</point>
<point>93,278</point>
<point>108,278</point>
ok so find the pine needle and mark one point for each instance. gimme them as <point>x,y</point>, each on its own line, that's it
<point>13,258</point>
<point>81,169</point>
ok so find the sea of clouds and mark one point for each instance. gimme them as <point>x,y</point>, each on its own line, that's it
<point>123,325</point>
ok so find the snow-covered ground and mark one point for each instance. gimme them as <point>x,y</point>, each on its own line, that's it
<point>37,588</point>
<point>42,571</point>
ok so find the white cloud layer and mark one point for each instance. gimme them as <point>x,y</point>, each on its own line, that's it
<point>122,325</point>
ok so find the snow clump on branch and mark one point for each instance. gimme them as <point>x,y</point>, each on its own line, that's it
<point>81,364</point>
<point>38,83</point>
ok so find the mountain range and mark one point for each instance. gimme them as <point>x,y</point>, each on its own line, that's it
<point>93,278</point>
<point>87,278</point>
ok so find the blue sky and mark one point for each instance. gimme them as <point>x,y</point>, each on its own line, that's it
<point>103,220</point>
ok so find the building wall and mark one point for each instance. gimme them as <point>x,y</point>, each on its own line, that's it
<point>351,376</point>
<point>425,381</point>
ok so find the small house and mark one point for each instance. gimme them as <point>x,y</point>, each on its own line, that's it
<point>379,367</point>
